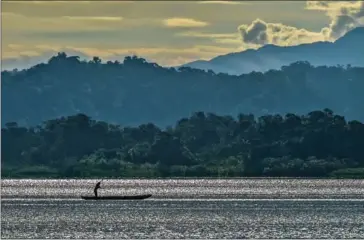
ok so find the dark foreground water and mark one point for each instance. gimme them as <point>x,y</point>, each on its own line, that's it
<point>239,208</point>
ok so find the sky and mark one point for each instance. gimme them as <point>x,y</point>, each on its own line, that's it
<point>169,33</point>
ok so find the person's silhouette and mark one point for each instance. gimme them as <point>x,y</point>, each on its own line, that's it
<point>97,187</point>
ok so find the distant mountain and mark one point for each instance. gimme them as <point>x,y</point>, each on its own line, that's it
<point>136,92</point>
<point>348,49</point>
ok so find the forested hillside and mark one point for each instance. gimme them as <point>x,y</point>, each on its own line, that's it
<point>136,92</point>
<point>318,144</point>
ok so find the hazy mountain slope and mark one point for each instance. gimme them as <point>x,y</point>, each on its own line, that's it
<point>136,92</point>
<point>347,50</point>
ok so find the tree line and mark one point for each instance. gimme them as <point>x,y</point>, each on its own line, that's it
<point>317,144</point>
<point>134,91</point>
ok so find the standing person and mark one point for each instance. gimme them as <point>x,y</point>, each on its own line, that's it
<point>97,187</point>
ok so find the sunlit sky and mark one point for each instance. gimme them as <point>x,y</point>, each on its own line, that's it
<point>168,32</point>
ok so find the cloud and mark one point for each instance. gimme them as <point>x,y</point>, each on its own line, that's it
<point>93,18</point>
<point>18,23</point>
<point>19,27</point>
<point>232,41</point>
<point>260,32</point>
<point>15,46</point>
<point>221,38</point>
<point>341,24</point>
<point>344,17</point>
<point>184,22</point>
<point>318,5</point>
<point>333,6</point>
<point>222,2</point>
<point>206,35</point>
<point>49,2</point>
<point>61,2</point>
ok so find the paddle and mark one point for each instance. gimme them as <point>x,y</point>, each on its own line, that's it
<point>100,182</point>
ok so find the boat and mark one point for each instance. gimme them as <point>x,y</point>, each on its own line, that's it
<point>135,197</point>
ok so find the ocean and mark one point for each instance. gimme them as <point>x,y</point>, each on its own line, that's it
<point>184,208</point>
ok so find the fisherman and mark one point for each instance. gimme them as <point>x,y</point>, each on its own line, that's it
<point>97,187</point>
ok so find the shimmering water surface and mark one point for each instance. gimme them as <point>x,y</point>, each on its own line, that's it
<point>234,208</point>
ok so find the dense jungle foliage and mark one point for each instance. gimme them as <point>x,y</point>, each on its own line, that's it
<point>318,144</point>
<point>134,92</point>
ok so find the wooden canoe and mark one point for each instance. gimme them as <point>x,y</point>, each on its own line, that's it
<point>135,197</point>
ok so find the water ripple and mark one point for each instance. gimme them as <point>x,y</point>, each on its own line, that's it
<point>204,188</point>
<point>262,208</point>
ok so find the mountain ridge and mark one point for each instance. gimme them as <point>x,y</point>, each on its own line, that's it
<point>222,63</point>
<point>272,56</point>
<point>136,91</point>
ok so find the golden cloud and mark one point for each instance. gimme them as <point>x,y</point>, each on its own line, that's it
<point>206,35</point>
<point>221,38</point>
<point>344,16</point>
<point>184,22</point>
<point>13,22</point>
<point>260,32</point>
<point>93,18</point>
<point>221,2</point>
